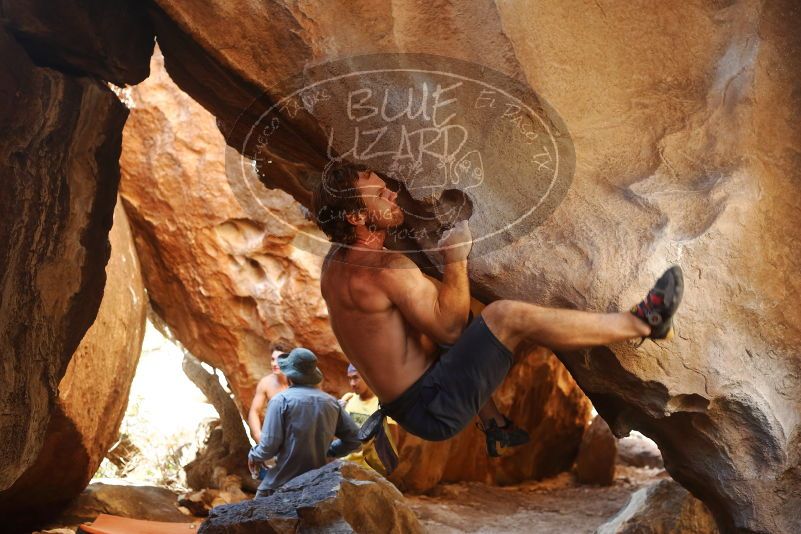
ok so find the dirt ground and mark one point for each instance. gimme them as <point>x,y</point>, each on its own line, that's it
<point>556,505</point>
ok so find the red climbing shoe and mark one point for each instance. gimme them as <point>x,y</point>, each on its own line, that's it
<point>661,302</point>
<point>507,435</point>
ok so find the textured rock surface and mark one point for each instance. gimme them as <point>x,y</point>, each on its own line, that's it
<point>109,40</point>
<point>93,394</point>
<point>661,508</point>
<point>685,119</point>
<point>339,497</point>
<point>137,502</point>
<point>639,451</point>
<point>59,148</point>
<point>230,286</point>
<point>595,463</point>
<point>227,490</point>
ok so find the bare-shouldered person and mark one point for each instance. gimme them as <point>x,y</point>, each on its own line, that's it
<point>367,323</point>
<point>389,318</point>
<point>267,388</point>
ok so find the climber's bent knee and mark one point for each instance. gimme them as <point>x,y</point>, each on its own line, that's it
<point>507,320</point>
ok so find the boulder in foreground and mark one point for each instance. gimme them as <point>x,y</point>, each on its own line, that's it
<point>661,508</point>
<point>339,497</point>
<point>149,503</point>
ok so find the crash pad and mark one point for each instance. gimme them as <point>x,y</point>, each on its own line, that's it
<point>112,524</point>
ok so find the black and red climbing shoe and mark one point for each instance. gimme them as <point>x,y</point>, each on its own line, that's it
<point>504,436</point>
<point>659,306</point>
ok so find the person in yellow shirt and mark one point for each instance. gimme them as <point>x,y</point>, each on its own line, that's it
<point>361,403</point>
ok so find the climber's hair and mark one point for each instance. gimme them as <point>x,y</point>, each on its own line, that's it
<point>335,197</point>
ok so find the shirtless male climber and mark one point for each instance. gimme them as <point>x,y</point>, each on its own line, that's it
<point>267,388</point>
<point>389,318</point>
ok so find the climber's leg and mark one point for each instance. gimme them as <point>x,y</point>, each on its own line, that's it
<point>515,322</point>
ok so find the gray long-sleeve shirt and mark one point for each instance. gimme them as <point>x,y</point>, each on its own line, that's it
<point>299,427</point>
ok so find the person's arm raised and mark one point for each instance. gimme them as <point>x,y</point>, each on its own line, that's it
<point>440,313</point>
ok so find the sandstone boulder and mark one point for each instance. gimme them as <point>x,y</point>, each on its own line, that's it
<point>685,124</point>
<point>639,451</point>
<point>151,503</point>
<point>661,508</point>
<point>339,497</point>
<point>59,152</point>
<point>92,395</point>
<point>230,287</point>
<point>595,463</point>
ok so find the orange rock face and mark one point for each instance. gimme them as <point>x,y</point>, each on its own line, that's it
<point>93,394</point>
<point>231,286</point>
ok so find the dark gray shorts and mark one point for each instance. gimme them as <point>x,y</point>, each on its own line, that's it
<point>449,394</point>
